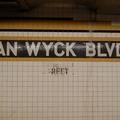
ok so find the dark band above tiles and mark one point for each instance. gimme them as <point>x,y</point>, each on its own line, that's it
<point>40,30</point>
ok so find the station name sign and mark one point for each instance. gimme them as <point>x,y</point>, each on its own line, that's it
<point>59,49</point>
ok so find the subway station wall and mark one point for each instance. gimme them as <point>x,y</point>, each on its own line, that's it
<point>59,70</point>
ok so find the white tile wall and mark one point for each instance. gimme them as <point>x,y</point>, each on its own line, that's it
<point>90,91</point>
